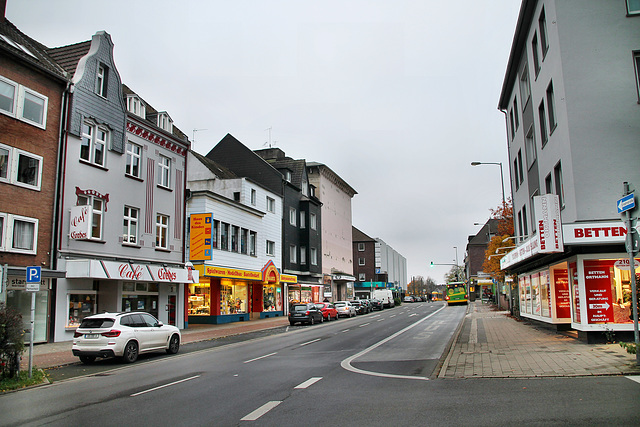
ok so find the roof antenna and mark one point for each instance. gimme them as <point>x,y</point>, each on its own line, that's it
<point>193,140</point>
<point>269,143</point>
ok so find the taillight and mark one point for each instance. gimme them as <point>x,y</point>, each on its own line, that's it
<point>77,334</point>
<point>447,298</point>
<point>308,312</point>
<point>111,334</point>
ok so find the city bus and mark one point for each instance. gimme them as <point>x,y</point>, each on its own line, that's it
<point>456,293</point>
<point>436,296</point>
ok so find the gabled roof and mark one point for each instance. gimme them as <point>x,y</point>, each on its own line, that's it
<point>335,177</point>
<point>16,43</point>
<point>215,168</point>
<point>69,56</point>
<point>359,236</point>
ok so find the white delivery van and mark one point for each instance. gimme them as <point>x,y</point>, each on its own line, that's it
<point>386,296</point>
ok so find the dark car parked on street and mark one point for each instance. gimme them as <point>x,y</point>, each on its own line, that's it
<point>376,304</point>
<point>360,307</point>
<point>305,313</point>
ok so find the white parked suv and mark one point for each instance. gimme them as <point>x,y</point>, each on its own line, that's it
<point>124,335</point>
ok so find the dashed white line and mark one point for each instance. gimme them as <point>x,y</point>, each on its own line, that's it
<point>309,342</point>
<point>163,386</point>
<point>380,320</point>
<point>308,382</point>
<point>258,358</point>
<point>261,410</point>
<point>364,324</point>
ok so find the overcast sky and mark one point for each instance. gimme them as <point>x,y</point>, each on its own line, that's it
<point>397,97</point>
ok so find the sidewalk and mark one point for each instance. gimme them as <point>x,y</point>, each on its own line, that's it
<point>491,344</point>
<point>57,354</point>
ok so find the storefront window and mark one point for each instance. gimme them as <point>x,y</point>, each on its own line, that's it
<point>527,287</point>
<point>523,295</point>
<point>562,293</point>
<point>608,291</point>
<point>272,298</point>
<point>80,306</point>
<point>545,294</point>
<point>573,272</point>
<point>199,299</point>
<point>535,294</point>
<point>233,297</point>
<point>143,297</point>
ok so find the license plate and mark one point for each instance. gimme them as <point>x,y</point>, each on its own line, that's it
<point>297,314</point>
<point>91,336</point>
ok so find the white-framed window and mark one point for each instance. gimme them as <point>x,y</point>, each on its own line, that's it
<point>305,188</point>
<point>303,254</point>
<point>551,107</point>
<point>271,205</point>
<point>292,216</point>
<point>293,254</point>
<point>534,51</point>
<point>18,234</point>
<point>81,303</point>
<point>271,248</point>
<point>101,80</point>
<point>544,36</point>
<point>636,64</point>
<point>303,219</point>
<point>164,172</point>
<point>515,112</point>
<point>94,143</point>
<point>20,167</point>
<point>361,277</point>
<point>162,231</point>
<point>313,222</point>
<point>525,85</point>
<point>225,229</point>
<point>557,174</point>
<point>287,176</point>
<point>165,122</point>
<point>361,261</point>
<point>253,239</point>
<point>542,118</point>
<point>253,197</point>
<point>136,106</point>
<point>360,247</point>
<point>633,7</point>
<point>130,225</point>
<point>98,206</point>
<point>313,252</point>
<point>530,146</point>
<point>134,160</point>
<point>23,103</point>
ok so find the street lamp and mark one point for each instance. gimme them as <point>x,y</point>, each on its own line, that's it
<point>501,176</point>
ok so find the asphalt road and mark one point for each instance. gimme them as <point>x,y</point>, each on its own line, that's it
<point>377,369</point>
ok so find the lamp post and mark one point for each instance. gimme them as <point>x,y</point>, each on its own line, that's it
<point>501,175</point>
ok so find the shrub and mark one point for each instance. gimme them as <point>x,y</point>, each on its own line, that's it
<point>11,341</point>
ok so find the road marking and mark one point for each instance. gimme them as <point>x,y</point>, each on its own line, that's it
<point>635,378</point>
<point>346,330</point>
<point>261,410</point>
<point>377,315</point>
<point>309,342</point>
<point>346,363</point>
<point>393,315</point>
<point>309,382</point>
<point>379,320</point>
<point>258,358</point>
<point>364,324</point>
<point>413,314</point>
<point>163,386</point>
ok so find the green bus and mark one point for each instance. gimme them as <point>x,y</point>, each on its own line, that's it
<point>456,293</point>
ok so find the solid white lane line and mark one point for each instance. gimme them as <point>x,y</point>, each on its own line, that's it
<point>261,410</point>
<point>364,324</point>
<point>309,342</point>
<point>258,358</point>
<point>346,363</point>
<point>309,382</point>
<point>163,386</point>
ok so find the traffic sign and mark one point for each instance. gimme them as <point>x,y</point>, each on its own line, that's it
<point>626,202</point>
<point>33,278</point>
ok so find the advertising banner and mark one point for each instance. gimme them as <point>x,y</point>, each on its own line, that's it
<point>80,222</point>
<point>200,242</point>
<point>549,226</point>
<point>597,283</point>
<point>563,296</point>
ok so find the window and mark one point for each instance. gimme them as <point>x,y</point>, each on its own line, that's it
<point>136,106</point>
<point>534,51</point>
<point>20,167</point>
<point>165,122</point>
<point>525,223</point>
<point>93,145</point>
<point>530,146</point>
<point>303,254</point>
<point>133,153</point>
<point>81,304</point>
<point>557,173</point>
<point>314,256</point>
<point>544,36</point>
<point>303,219</point>
<point>235,234</point>
<point>164,172</point>
<point>551,107</point>
<point>515,174</point>
<point>520,172</point>
<point>361,261</point>
<point>312,221</point>
<point>360,247</point>
<point>633,7</point>
<point>224,236</point>
<point>244,236</point>
<point>253,197</point>
<point>548,184</point>
<point>236,196</point>
<point>515,112</point>
<point>542,118</point>
<point>287,176</point>
<point>130,225</point>
<point>18,234</point>
<point>292,216</point>
<point>162,228</point>
<point>214,234</point>
<point>525,88</point>
<point>305,188</point>
<point>271,248</point>
<point>361,277</point>
<point>293,255</point>
<point>520,233</point>
<point>513,126</point>
<point>271,205</point>
<point>23,103</point>
<point>97,205</point>
<point>636,60</point>
<point>253,238</point>
<point>101,80</point>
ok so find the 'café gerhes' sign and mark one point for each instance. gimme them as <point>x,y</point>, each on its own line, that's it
<point>80,222</point>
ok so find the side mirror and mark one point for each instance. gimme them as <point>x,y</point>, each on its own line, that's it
<point>159,324</point>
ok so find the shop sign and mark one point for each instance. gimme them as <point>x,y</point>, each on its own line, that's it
<point>200,242</point>
<point>80,222</point>
<point>594,233</point>
<point>526,250</point>
<point>288,278</point>
<point>160,273</point>
<point>17,283</point>
<point>270,273</point>
<point>96,269</point>
<point>623,264</point>
<point>549,226</point>
<point>344,277</point>
<point>231,273</point>
<point>597,282</point>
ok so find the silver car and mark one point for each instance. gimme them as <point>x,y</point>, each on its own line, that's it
<point>345,309</point>
<point>124,335</point>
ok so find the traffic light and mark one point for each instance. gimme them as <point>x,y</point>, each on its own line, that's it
<point>431,264</point>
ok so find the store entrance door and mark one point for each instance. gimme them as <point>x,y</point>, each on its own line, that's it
<point>171,310</point>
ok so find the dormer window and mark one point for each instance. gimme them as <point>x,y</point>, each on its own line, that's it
<point>102,77</point>
<point>287,176</point>
<point>136,106</point>
<point>305,188</point>
<point>165,122</point>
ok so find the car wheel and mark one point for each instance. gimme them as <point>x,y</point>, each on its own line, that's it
<point>87,360</point>
<point>130,353</point>
<point>337,317</point>
<point>174,345</point>
<point>312,321</point>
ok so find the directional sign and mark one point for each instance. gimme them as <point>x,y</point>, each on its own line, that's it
<point>627,202</point>
<point>33,278</point>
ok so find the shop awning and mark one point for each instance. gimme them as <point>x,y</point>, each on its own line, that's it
<point>96,269</point>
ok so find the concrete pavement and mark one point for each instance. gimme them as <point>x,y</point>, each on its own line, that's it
<point>489,344</point>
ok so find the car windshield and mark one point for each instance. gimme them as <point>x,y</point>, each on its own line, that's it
<point>340,304</point>
<point>97,323</point>
<point>319,305</point>
<point>299,308</point>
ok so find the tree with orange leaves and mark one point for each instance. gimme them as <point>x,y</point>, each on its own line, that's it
<point>504,215</point>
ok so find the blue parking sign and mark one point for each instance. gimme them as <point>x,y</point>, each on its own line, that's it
<point>33,274</point>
